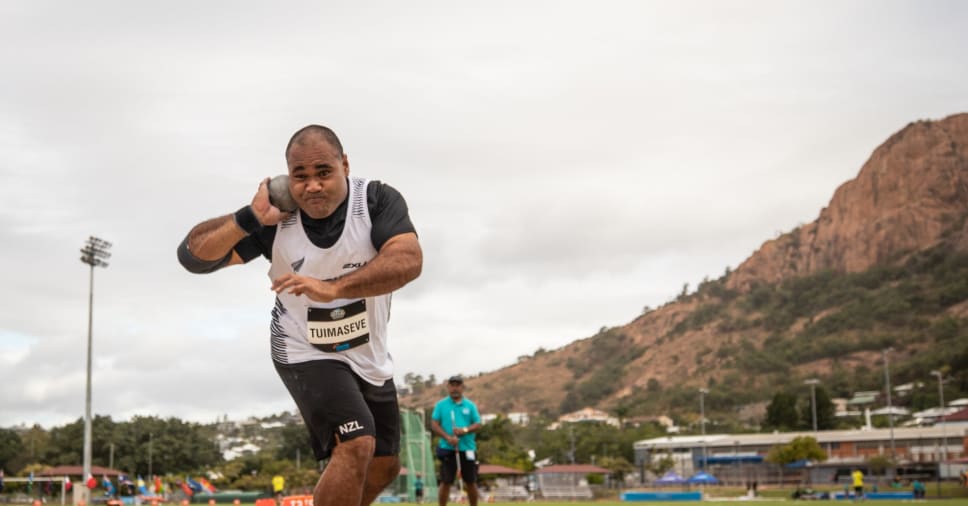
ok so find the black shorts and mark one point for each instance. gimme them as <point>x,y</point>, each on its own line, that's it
<point>448,467</point>
<point>338,405</point>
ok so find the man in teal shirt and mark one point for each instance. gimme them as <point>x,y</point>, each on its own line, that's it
<point>456,419</point>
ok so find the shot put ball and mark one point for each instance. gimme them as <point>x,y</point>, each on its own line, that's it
<point>279,195</point>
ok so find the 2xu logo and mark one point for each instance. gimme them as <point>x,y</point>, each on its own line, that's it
<point>350,427</point>
<point>296,500</point>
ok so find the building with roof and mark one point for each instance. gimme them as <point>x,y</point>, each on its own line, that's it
<point>957,419</point>
<point>78,471</point>
<point>515,417</point>
<point>863,398</point>
<point>741,458</point>
<point>585,415</point>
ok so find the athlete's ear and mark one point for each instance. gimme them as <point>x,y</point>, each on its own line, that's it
<point>346,165</point>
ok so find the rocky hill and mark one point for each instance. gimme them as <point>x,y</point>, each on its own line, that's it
<point>912,191</point>
<point>884,264</point>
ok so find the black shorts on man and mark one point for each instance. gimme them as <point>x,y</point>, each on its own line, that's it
<point>336,404</point>
<point>448,466</point>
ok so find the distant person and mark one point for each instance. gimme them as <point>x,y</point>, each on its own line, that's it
<point>918,487</point>
<point>335,259</point>
<point>418,488</point>
<point>857,477</point>
<point>455,419</point>
<point>278,485</point>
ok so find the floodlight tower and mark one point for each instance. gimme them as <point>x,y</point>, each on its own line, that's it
<point>95,254</point>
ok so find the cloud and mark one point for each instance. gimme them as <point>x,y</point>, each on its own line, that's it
<point>564,168</point>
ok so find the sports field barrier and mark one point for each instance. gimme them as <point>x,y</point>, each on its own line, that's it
<point>898,496</point>
<point>693,495</point>
<point>228,497</point>
<point>297,500</point>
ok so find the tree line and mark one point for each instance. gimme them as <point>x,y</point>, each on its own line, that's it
<point>174,448</point>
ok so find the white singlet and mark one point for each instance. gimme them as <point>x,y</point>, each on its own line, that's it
<point>349,330</point>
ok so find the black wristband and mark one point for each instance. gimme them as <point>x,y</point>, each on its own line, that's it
<point>246,220</point>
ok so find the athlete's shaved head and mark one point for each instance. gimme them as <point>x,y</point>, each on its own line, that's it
<point>311,133</point>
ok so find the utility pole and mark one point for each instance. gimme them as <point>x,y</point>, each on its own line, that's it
<point>150,440</point>
<point>95,254</point>
<point>890,408</point>
<point>571,436</point>
<point>702,422</point>
<point>943,455</point>
<point>813,400</point>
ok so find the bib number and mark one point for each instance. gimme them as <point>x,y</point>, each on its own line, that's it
<point>335,329</point>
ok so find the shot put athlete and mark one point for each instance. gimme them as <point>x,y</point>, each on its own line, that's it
<point>334,263</point>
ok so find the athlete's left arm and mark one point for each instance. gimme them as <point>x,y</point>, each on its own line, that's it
<point>398,262</point>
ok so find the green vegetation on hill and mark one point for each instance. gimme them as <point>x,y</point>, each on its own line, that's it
<point>827,316</point>
<point>897,306</point>
<point>599,370</point>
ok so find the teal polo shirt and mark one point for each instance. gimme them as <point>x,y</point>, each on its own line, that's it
<point>464,414</point>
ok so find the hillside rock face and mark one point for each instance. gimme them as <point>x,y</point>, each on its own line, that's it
<point>909,196</point>
<point>912,190</point>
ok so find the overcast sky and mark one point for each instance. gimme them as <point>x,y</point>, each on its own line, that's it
<point>566,163</point>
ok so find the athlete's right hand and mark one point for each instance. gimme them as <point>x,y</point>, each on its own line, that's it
<point>266,213</point>
<point>316,289</point>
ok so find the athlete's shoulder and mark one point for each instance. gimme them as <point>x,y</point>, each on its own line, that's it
<point>382,194</point>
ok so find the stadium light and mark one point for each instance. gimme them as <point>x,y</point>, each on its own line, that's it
<point>95,254</point>
<point>813,399</point>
